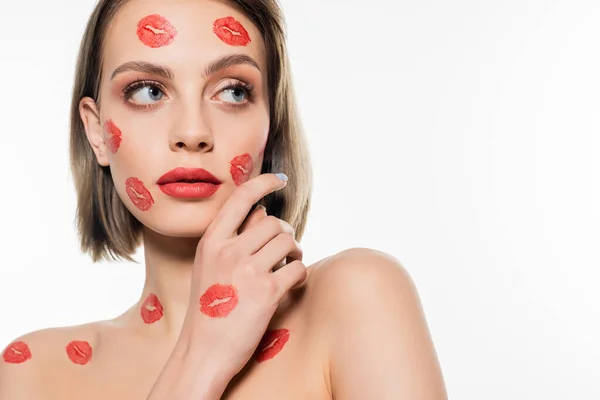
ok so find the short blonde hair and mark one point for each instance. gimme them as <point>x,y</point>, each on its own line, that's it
<point>106,228</point>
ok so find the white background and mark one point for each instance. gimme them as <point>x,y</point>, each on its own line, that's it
<point>459,136</point>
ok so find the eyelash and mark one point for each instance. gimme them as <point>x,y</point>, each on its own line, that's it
<point>130,89</point>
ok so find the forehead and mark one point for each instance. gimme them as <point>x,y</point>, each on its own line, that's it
<point>194,43</point>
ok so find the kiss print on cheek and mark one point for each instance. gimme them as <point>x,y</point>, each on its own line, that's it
<point>156,31</point>
<point>241,168</point>
<point>17,353</point>
<point>271,344</point>
<point>114,135</point>
<point>139,195</point>
<point>79,352</point>
<point>231,31</point>
<point>218,300</point>
<point>152,309</point>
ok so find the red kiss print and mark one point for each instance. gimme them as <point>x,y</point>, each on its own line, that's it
<point>215,293</point>
<point>16,353</point>
<point>241,168</point>
<point>79,352</point>
<point>114,135</point>
<point>139,195</point>
<point>231,31</point>
<point>152,309</point>
<point>156,31</point>
<point>271,344</point>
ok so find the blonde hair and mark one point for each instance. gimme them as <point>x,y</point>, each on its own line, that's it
<point>106,228</point>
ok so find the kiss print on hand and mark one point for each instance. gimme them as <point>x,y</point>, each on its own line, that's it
<point>241,168</point>
<point>156,31</point>
<point>218,300</point>
<point>152,309</point>
<point>79,352</point>
<point>271,344</point>
<point>139,195</point>
<point>114,136</point>
<point>231,31</point>
<point>17,353</point>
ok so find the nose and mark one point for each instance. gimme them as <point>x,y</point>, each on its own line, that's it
<point>191,132</point>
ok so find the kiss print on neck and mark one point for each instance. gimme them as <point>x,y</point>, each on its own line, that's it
<point>17,353</point>
<point>218,300</point>
<point>156,31</point>
<point>139,195</point>
<point>79,352</point>
<point>152,309</point>
<point>241,168</point>
<point>271,344</point>
<point>114,136</point>
<point>231,31</point>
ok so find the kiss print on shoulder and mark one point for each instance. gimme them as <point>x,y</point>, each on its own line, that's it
<point>152,309</point>
<point>155,31</point>
<point>271,344</point>
<point>17,353</point>
<point>79,352</point>
<point>231,31</point>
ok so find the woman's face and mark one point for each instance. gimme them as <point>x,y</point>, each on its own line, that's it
<point>184,84</point>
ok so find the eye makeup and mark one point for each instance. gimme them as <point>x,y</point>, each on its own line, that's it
<point>231,31</point>
<point>155,31</point>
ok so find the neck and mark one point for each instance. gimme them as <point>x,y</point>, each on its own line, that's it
<point>169,263</point>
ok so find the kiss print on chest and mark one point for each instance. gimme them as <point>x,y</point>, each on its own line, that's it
<point>271,344</point>
<point>156,31</point>
<point>79,352</point>
<point>241,168</point>
<point>114,136</point>
<point>17,353</point>
<point>152,309</point>
<point>218,300</point>
<point>231,31</point>
<point>139,195</point>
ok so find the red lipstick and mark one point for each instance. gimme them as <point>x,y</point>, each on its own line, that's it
<point>231,31</point>
<point>79,352</point>
<point>114,135</point>
<point>271,344</point>
<point>16,353</point>
<point>152,309</point>
<point>216,293</point>
<point>139,195</point>
<point>189,183</point>
<point>156,31</point>
<point>241,168</point>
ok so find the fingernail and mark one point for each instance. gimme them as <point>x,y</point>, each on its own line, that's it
<point>283,177</point>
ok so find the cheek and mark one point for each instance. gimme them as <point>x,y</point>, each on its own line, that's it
<point>138,194</point>
<point>240,168</point>
<point>112,135</point>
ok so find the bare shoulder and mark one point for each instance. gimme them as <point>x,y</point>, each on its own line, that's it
<point>32,362</point>
<point>378,342</point>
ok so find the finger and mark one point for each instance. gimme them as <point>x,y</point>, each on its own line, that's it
<point>291,276</point>
<point>256,215</point>
<point>232,214</point>
<point>282,246</point>
<point>254,238</point>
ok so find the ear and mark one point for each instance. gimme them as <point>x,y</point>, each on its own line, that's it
<point>90,116</point>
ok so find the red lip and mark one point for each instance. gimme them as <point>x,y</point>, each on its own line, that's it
<point>218,292</point>
<point>271,344</point>
<point>189,183</point>
<point>231,31</point>
<point>16,353</point>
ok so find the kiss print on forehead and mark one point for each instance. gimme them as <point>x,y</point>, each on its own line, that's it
<point>139,195</point>
<point>80,352</point>
<point>114,136</point>
<point>241,168</point>
<point>231,31</point>
<point>152,309</point>
<point>156,31</point>
<point>218,300</point>
<point>271,343</point>
<point>17,353</point>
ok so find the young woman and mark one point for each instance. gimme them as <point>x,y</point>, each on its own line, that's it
<point>185,139</point>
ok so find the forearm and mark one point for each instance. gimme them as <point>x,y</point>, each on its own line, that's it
<point>188,376</point>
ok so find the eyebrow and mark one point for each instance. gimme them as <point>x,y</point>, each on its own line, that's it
<point>165,72</point>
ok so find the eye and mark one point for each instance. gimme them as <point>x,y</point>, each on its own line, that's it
<point>146,94</point>
<point>233,95</point>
